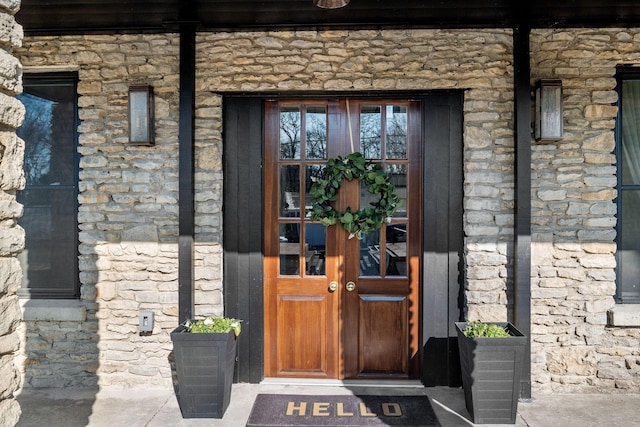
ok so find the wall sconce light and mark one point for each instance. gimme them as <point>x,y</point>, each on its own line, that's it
<point>141,117</point>
<point>548,116</point>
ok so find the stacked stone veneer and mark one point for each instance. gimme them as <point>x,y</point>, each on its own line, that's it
<point>573,252</point>
<point>11,179</point>
<point>128,216</point>
<point>128,195</point>
<point>478,62</point>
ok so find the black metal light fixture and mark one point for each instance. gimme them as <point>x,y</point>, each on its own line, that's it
<point>548,115</point>
<point>331,4</point>
<point>141,117</point>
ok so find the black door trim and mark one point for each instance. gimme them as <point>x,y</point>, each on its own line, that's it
<point>243,116</point>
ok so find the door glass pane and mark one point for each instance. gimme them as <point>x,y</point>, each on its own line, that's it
<point>290,249</point>
<point>289,191</point>
<point>370,254</point>
<point>396,250</point>
<point>315,238</point>
<point>370,131</point>
<point>367,198</point>
<point>316,122</point>
<point>396,132</point>
<point>290,125</point>
<point>398,176</point>
<point>312,172</point>
<point>629,251</point>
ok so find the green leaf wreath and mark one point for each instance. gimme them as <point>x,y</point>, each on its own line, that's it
<point>366,220</point>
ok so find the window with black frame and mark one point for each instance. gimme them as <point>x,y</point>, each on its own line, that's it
<point>50,259</point>
<point>628,173</point>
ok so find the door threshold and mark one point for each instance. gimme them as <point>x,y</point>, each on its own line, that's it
<point>344,383</point>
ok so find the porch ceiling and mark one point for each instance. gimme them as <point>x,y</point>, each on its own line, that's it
<point>121,16</point>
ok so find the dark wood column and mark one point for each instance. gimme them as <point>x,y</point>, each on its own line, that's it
<point>522,239</point>
<point>186,171</point>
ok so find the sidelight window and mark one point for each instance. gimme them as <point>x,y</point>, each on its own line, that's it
<point>50,259</point>
<point>628,172</point>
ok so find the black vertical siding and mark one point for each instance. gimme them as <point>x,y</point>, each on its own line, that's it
<point>522,241</point>
<point>442,295</point>
<point>442,210</point>
<point>186,172</point>
<point>242,228</point>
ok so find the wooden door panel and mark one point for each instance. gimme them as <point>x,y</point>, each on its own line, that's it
<point>302,349</point>
<point>383,310</point>
<point>383,337</point>
<point>312,331</point>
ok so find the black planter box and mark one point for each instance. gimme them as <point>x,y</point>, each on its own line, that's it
<point>491,372</point>
<point>204,367</point>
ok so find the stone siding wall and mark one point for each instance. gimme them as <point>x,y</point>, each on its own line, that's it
<point>479,62</point>
<point>12,241</point>
<point>128,216</point>
<point>128,194</point>
<point>573,219</point>
<point>128,198</point>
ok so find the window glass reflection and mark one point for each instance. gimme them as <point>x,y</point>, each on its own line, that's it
<point>629,246</point>
<point>290,125</point>
<point>370,254</point>
<point>396,246</point>
<point>49,261</point>
<point>49,134</point>
<point>316,132</point>
<point>396,128</point>
<point>290,191</point>
<point>398,176</point>
<point>312,172</point>
<point>370,131</point>
<point>394,261</point>
<point>315,240</point>
<point>630,140</point>
<point>289,249</point>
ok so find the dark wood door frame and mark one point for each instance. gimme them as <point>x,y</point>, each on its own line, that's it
<point>243,235</point>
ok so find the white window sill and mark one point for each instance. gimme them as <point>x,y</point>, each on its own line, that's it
<point>625,315</point>
<point>55,310</point>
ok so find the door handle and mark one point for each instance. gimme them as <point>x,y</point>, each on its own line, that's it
<point>351,286</point>
<point>333,286</point>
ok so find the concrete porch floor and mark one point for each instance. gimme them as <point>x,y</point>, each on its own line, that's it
<point>115,407</point>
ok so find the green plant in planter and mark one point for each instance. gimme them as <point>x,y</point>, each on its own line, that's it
<point>213,325</point>
<point>477,329</point>
<point>491,369</point>
<point>205,355</point>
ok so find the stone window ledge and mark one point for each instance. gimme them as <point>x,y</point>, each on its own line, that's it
<point>625,315</point>
<point>53,310</point>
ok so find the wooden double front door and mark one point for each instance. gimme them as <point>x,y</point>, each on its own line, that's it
<point>338,307</point>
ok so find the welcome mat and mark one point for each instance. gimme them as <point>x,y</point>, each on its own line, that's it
<point>292,410</point>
